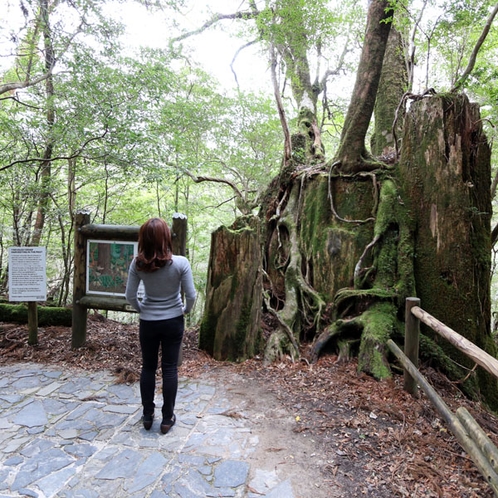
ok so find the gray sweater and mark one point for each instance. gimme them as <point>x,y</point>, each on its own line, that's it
<point>162,290</point>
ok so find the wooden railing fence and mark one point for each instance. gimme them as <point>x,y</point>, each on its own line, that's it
<point>469,434</point>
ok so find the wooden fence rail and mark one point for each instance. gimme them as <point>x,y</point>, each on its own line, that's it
<point>469,434</point>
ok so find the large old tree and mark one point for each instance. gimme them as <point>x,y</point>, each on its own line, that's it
<point>342,243</point>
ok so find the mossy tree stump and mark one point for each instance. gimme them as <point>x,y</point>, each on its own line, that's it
<point>445,173</point>
<point>230,329</point>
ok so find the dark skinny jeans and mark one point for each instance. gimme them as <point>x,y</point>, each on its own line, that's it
<point>168,335</point>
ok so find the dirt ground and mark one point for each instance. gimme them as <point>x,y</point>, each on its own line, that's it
<point>353,435</point>
<point>293,455</point>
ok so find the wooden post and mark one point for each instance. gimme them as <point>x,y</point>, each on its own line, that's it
<point>179,234</point>
<point>179,243</point>
<point>412,335</point>
<point>32,323</point>
<point>79,281</point>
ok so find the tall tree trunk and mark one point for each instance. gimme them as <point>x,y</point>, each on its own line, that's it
<point>392,86</point>
<point>306,142</point>
<point>46,169</point>
<point>45,173</point>
<point>352,154</point>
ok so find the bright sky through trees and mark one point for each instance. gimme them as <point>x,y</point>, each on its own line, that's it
<point>215,48</point>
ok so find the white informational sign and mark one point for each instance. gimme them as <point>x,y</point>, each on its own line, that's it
<point>27,274</point>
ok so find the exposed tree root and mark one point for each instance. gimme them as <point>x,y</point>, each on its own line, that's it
<point>372,328</point>
<point>331,198</point>
<point>363,317</point>
<point>369,310</point>
<point>301,300</point>
<point>276,346</point>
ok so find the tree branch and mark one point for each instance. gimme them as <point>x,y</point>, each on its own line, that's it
<point>280,106</point>
<point>494,236</point>
<point>236,55</point>
<point>494,185</point>
<point>200,179</point>
<point>10,87</point>
<point>473,56</point>
<point>216,18</point>
<point>337,70</point>
<point>15,98</point>
<point>410,61</point>
<point>57,158</point>
<point>243,205</point>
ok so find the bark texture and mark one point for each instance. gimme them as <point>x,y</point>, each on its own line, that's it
<point>392,86</point>
<point>230,329</point>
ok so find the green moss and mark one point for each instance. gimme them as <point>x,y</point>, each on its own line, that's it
<point>387,230</point>
<point>241,331</point>
<point>207,332</point>
<point>378,297</point>
<point>47,315</point>
<point>394,254</point>
<point>316,216</point>
<point>277,345</point>
<point>299,145</point>
<point>386,213</point>
<point>405,286</point>
<point>387,260</point>
<point>379,322</point>
<point>364,294</point>
<point>247,222</point>
<point>377,366</point>
<point>329,245</point>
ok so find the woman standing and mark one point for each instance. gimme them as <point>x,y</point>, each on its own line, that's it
<point>164,276</point>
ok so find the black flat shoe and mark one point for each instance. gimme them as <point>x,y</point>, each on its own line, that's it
<point>147,420</point>
<point>166,426</point>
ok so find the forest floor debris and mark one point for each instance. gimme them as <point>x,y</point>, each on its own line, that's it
<point>373,438</point>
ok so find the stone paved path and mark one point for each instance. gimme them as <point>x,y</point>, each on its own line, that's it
<point>78,434</point>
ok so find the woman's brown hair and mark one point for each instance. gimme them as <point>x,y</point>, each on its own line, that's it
<point>154,245</point>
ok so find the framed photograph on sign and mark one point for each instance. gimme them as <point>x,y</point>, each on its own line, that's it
<point>107,266</point>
